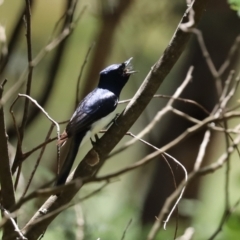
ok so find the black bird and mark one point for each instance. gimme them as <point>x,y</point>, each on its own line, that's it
<point>93,110</point>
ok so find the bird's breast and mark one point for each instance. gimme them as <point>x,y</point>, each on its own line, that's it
<point>97,126</point>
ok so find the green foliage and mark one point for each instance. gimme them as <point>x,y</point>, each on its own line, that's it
<point>235,5</point>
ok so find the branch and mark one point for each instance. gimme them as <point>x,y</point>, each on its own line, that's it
<point>7,191</point>
<point>7,215</point>
<point>134,109</point>
<point>159,115</point>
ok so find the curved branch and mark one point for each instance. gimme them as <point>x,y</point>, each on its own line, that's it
<point>134,109</point>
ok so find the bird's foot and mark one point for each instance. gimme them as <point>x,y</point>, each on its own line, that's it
<point>96,140</point>
<point>113,121</point>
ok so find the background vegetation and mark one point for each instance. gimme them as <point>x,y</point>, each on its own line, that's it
<point>49,48</point>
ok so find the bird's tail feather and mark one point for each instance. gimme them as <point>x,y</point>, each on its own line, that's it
<point>69,160</point>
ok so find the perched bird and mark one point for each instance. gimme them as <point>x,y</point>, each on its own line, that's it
<point>93,110</point>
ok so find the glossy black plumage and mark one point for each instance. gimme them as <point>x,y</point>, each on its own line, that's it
<point>94,107</point>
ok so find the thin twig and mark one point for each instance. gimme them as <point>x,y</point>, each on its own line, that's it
<point>202,150</point>
<point>47,115</point>
<point>232,52</point>
<point>37,162</point>
<point>125,230</point>
<point>49,140</point>
<point>174,98</point>
<point>81,72</point>
<point>16,228</point>
<point>48,48</point>
<point>30,69</point>
<point>159,115</point>
<point>181,193</point>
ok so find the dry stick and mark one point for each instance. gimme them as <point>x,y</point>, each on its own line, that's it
<point>210,125</point>
<point>229,130</point>
<point>159,115</point>
<point>95,191</point>
<point>7,198</point>
<point>175,185</point>
<point>27,154</point>
<point>44,192</point>
<point>232,52</point>
<point>19,139</point>
<point>221,160</point>
<point>176,161</point>
<point>134,109</point>
<point>16,228</point>
<point>174,180</point>
<point>81,72</point>
<point>185,100</point>
<point>30,70</point>
<point>226,86</point>
<point>181,193</point>
<point>48,48</point>
<point>57,126</point>
<point>14,38</point>
<point>180,138</point>
<point>49,140</point>
<point>46,114</point>
<point>202,150</point>
<point>68,14</point>
<point>226,189</point>
<point>51,119</point>
<point>231,93</point>
<point>202,171</point>
<point>28,87</point>
<point>185,116</point>
<point>55,42</point>
<point>51,75</point>
<point>79,222</point>
<point>206,54</point>
<point>37,162</point>
<point>223,102</point>
<point>125,230</point>
<point>212,68</point>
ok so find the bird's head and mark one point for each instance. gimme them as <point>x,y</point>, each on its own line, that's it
<point>116,75</point>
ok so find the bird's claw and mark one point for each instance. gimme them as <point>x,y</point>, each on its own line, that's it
<point>96,140</point>
<point>113,121</point>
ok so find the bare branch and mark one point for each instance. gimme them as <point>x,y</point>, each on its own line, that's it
<point>159,115</point>
<point>7,191</point>
<point>37,162</point>
<point>134,109</point>
<point>202,150</point>
<point>81,72</point>
<point>7,215</point>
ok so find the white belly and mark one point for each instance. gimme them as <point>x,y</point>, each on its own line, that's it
<point>97,126</point>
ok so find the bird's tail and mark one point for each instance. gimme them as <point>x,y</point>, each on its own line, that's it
<point>69,160</point>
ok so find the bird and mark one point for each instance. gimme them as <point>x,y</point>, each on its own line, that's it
<point>93,112</point>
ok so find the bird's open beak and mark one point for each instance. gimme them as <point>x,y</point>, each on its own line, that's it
<point>128,61</point>
<point>128,68</point>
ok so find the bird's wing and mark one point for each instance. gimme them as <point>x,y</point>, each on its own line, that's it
<point>96,105</point>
